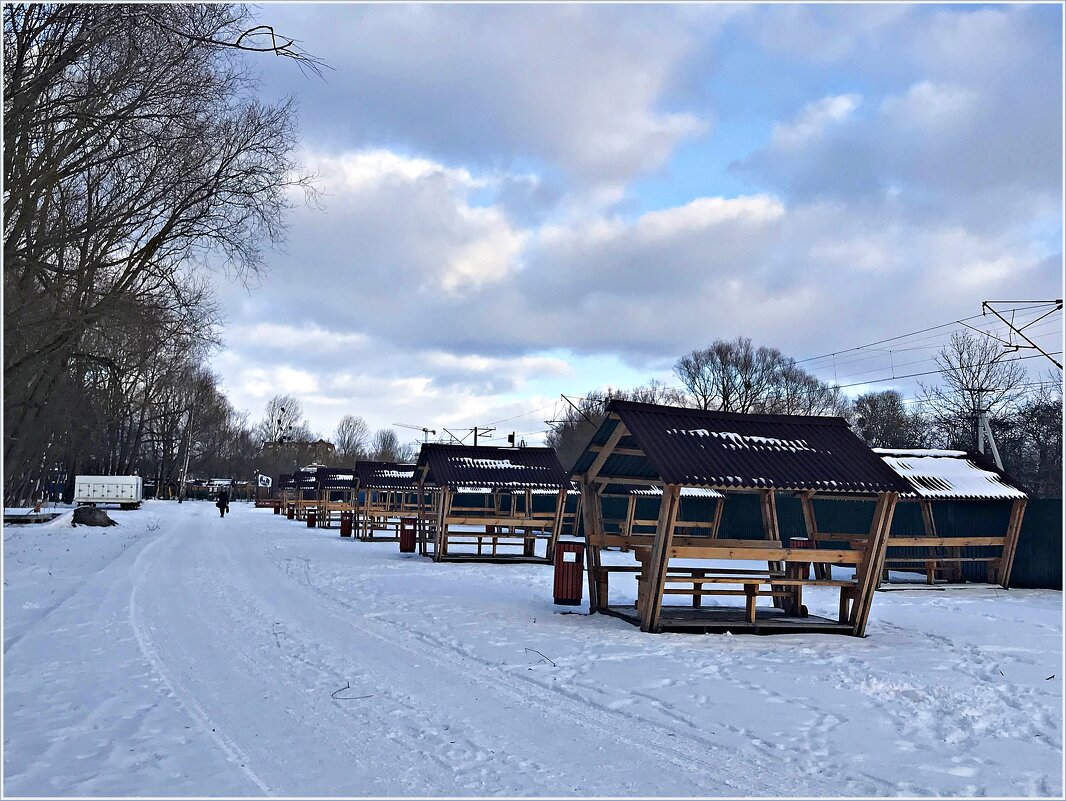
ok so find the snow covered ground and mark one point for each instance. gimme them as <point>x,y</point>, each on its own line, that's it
<point>182,654</point>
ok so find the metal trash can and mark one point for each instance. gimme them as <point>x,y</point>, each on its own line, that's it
<point>277,507</point>
<point>569,572</point>
<point>312,518</point>
<point>346,524</point>
<point>407,535</point>
<point>290,512</point>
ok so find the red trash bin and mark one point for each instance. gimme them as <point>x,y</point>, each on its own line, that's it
<point>569,572</point>
<point>346,524</point>
<point>290,512</point>
<point>277,507</point>
<point>312,518</point>
<point>407,535</point>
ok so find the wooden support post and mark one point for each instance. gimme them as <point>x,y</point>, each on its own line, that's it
<point>557,524</point>
<point>749,602</point>
<point>441,548</point>
<point>716,523</point>
<point>868,574</point>
<point>810,523</point>
<point>660,558</point>
<point>772,532</point>
<point>1010,545</point>
<point>593,519</point>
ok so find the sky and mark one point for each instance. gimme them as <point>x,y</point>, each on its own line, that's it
<point>521,201</point>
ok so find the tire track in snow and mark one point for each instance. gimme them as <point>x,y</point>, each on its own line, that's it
<point>147,645</point>
<point>688,753</point>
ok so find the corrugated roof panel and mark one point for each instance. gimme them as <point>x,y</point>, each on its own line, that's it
<point>958,475</point>
<point>386,475</point>
<point>492,467</point>
<point>724,450</point>
<point>336,478</point>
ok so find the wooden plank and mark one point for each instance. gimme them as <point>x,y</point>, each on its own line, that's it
<point>638,480</point>
<point>535,522</point>
<point>760,580</point>
<point>660,558</point>
<point>777,554</point>
<point>943,542</point>
<point>1010,544</point>
<point>619,451</point>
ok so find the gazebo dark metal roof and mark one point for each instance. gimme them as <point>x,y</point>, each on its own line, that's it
<point>336,478</point>
<point>304,479</point>
<point>285,481</point>
<point>492,467</point>
<point>385,476</point>
<point>729,451</point>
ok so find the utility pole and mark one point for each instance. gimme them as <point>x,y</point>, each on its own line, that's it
<point>982,428</point>
<point>483,431</point>
<point>986,306</point>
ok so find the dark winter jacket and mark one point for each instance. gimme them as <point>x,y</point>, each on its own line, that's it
<point>223,499</point>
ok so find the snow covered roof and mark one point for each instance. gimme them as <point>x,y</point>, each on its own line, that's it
<point>686,492</point>
<point>730,451</point>
<point>490,467</point>
<point>385,475</point>
<point>950,474</point>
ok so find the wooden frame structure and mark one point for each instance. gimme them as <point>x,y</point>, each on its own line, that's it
<point>505,525</point>
<point>305,481</point>
<point>337,493</point>
<point>937,476</point>
<point>286,490</point>
<point>387,495</point>
<point>674,449</point>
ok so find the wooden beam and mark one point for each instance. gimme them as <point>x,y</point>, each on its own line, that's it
<point>601,458</point>
<point>716,523</point>
<point>868,575</point>
<point>660,559</point>
<point>593,520</point>
<point>1010,544</point>
<point>770,526</point>
<point>639,480</point>
<point>619,451</point>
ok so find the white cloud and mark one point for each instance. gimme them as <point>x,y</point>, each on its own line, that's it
<point>813,120</point>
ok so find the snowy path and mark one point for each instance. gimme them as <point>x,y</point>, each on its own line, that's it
<point>203,656</point>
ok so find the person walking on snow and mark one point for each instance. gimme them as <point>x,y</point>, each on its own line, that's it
<point>223,502</point>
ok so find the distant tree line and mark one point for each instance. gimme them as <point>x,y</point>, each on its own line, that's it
<point>135,158</point>
<point>1025,416</point>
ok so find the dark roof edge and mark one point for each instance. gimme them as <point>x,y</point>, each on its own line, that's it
<point>793,419</point>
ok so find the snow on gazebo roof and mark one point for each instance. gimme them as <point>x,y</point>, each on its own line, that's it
<point>946,474</point>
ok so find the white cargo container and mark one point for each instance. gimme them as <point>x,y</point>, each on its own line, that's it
<point>127,491</point>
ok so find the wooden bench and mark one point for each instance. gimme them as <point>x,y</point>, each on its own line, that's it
<point>787,573</point>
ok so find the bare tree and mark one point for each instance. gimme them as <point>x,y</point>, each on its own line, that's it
<point>133,155</point>
<point>351,438</point>
<point>283,421</point>
<point>385,446</point>
<point>974,379</point>
<point>738,377</point>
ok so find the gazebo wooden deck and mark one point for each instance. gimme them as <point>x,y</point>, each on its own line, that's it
<point>673,449</point>
<point>489,504</point>
<point>388,495</point>
<point>940,476</point>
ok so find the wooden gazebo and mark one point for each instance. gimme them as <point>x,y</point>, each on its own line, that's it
<point>286,490</point>
<point>937,479</point>
<point>336,493</point>
<point>673,449</point>
<point>388,495</point>
<point>490,504</point>
<point>305,482</point>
